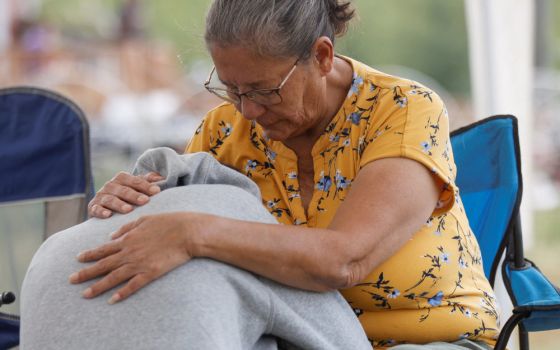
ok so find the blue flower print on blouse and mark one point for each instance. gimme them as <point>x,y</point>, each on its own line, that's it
<point>355,117</point>
<point>227,129</point>
<point>394,293</point>
<point>436,299</point>
<point>426,147</point>
<point>334,138</point>
<point>357,81</point>
<point>444,257</point>
<point>251,165</point>
<point>341,181</point>
<point>324,183</point>
<point>271,155</point>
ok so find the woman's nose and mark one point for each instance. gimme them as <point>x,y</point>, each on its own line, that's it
<point>250,109</point>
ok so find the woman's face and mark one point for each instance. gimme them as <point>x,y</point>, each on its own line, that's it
<point>241,70</point>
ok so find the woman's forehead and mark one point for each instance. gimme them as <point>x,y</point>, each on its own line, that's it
<point>241,66</point>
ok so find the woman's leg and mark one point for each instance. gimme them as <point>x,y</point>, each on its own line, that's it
<point>201,305</point>
<point>463,344</point>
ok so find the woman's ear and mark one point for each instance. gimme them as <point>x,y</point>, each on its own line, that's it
<point>323,55</point>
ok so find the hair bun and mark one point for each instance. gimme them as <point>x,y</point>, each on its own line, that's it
<point>340,14</point>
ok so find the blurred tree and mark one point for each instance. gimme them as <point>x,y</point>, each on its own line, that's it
<point>181,21</point>
<point>556,36</point>
<point>427,35</point>
<point>81,19</point>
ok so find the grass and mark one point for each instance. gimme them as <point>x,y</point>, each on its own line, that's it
<point>545,254</point>
<point>546,245</point>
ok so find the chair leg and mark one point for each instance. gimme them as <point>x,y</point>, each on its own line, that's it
<point>507,329</point>
<point>523,338</point>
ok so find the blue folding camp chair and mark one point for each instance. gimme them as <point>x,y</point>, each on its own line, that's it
<point>489,179</point>
<point>44,156</point>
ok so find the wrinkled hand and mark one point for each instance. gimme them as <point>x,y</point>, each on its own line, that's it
<point>139,252</point>
<point>122,192</point>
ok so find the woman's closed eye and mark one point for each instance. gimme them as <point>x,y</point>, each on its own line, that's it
<point>260,93</point>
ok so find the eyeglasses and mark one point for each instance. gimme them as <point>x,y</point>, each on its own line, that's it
<point>265,97</point>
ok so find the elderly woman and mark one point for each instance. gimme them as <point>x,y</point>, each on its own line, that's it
<point>356,164</point>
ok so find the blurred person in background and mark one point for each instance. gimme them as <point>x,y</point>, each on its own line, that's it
<point>131,21</point>
<point>355,164</point>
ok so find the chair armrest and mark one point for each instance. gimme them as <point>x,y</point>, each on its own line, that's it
<point>534,296</point>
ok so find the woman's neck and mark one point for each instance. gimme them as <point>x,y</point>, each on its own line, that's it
<point>338,82</point>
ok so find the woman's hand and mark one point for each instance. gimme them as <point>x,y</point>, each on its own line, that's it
<point>122,192</point>
<point>140,252</point>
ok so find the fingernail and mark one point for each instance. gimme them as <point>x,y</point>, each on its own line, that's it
<point>73,277</point>
<point>126,207</point>
<point>143,198</point>
<point>80,256</point>
<point>106,213</point>
<point>87,293</point>
<point>112,235</point>
<point>154,189</point>
<point>115,298</point>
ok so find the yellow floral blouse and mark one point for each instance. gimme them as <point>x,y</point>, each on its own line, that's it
<point>434,288</point>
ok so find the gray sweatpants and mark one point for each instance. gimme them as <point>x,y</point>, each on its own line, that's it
<point>203,304</point>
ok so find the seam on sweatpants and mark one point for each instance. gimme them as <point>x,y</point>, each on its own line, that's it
<point>272,311</point>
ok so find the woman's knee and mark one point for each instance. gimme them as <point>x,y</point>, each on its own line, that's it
<point>206,274</point>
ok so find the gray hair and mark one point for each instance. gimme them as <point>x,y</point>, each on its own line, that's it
<point>276,28</point>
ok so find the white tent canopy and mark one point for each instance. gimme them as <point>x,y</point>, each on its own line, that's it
<point>501,47</point>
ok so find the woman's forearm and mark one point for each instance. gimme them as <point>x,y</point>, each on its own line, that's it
<point>307,258</point>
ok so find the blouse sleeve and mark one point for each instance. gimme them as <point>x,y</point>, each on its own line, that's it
<point>414,125</point>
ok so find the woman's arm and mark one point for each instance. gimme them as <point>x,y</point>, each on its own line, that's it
<point>389,201</point>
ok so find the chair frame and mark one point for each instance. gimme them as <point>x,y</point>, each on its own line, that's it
<point>88,181</point>
<point>88,188</point>
<point>512,244</point>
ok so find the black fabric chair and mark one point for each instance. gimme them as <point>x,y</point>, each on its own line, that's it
<point>44,157</point>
